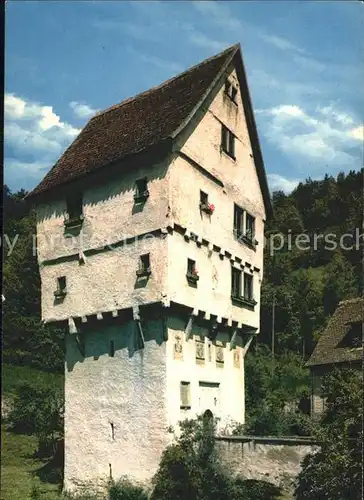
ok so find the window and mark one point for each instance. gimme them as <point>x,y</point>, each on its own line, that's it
<point>204,198</point>
<point>192,273</point>
<point>74,210</point>
<point>228,141</point>
<point>144,265</point>
<point>353,339</point>
<point>231,91</point>
<point>61,287</point>
<point>249,227</point>
<point>112,349</point>
<point>235,282</point>
<point>141,190</point>
<point>205,206</point>
<point>248,287</point>
<point>185,395</point>
<point>238,221</point>
<point>244,226</point>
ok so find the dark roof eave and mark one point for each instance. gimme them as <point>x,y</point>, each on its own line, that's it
<point>33,197</point>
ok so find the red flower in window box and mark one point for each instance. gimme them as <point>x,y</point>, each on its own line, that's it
<point>194,272</point>
<point>211,208</point>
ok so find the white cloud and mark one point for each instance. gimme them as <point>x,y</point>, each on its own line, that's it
<point>330,112</point>
<point>281,43</point>
<point>279,183</point>
<point>357,133</point>
<point>82,110</point>
<point>322,139</point>
<point>200,40</point>
<point>34,138</point>
<point>219,13</point>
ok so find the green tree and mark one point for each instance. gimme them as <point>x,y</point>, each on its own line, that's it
<point>339,282</point>
<point>335,471</point>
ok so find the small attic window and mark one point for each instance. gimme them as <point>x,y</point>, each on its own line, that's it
<point>231,91</point>
<point>141,190</point>
<point>228,142</point>
<point>61,289</point>
<point>74,204</point>
<point>144,266</point>
<point>353,339</point>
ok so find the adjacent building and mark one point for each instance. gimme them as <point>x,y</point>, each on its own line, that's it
<point>340,346</point>
<point>150,231</point>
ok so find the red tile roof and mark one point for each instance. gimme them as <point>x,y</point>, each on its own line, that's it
<point>136,123</point>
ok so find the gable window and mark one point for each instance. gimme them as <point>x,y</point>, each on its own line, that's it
<point>141,190</point>
<point>192,273</point>
<point>248,287</point>
<point>61,290</point>
<point>185,395</point>
<point>144,266</point>
<point>235,282</point>
<point>74,204</point>
<point>227,141</point>
<point>231,91</point>
<point>238,221</point>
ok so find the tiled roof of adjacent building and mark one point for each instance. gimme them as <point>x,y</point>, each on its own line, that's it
<point>146,120</point>
<point>327,351</point>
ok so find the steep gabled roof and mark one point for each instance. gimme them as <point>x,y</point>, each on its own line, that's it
<point>327,351</point>
<point>148,119</point>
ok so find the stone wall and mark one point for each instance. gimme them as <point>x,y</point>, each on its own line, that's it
<point>276,460</point>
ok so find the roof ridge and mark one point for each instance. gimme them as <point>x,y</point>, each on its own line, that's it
<point>156,87</point>
<point>350,301</point>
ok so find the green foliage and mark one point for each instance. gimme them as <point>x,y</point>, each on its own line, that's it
<point>335,471</point>
<point>25,340</point>
<point>251,489</point>
<point>190,469</point>
<point>308,284</point>
<point>39,410</point>
<point>125,490</point>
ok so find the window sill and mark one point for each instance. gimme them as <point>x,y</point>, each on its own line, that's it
<point>242,301</point>
<point>250,242</point>
<point>206,209</point>
<point>141,198</point>
<point>230,99</point>
<point>143,273</point>
<point>76,222</point>
<point>229,155</point>
<point>192,278</point>
<point>60,295</point>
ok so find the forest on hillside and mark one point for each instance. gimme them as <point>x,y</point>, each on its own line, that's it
<point>303,286</point>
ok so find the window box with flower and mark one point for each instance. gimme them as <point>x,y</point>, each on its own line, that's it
<point>208,208</point>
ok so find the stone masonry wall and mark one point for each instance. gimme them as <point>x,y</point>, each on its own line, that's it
<point>275,460</point>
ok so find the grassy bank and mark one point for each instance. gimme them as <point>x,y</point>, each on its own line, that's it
<point>18,464</point>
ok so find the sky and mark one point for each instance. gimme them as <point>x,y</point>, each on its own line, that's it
<point>66,60</point>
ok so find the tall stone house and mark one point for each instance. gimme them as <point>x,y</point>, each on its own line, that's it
<point>340,346</point>
<point>150,231</point>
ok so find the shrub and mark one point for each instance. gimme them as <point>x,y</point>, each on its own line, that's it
<point>190,469</point>
<point>251,489</point>
<point>39,410</point>
<point>125,490</point>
